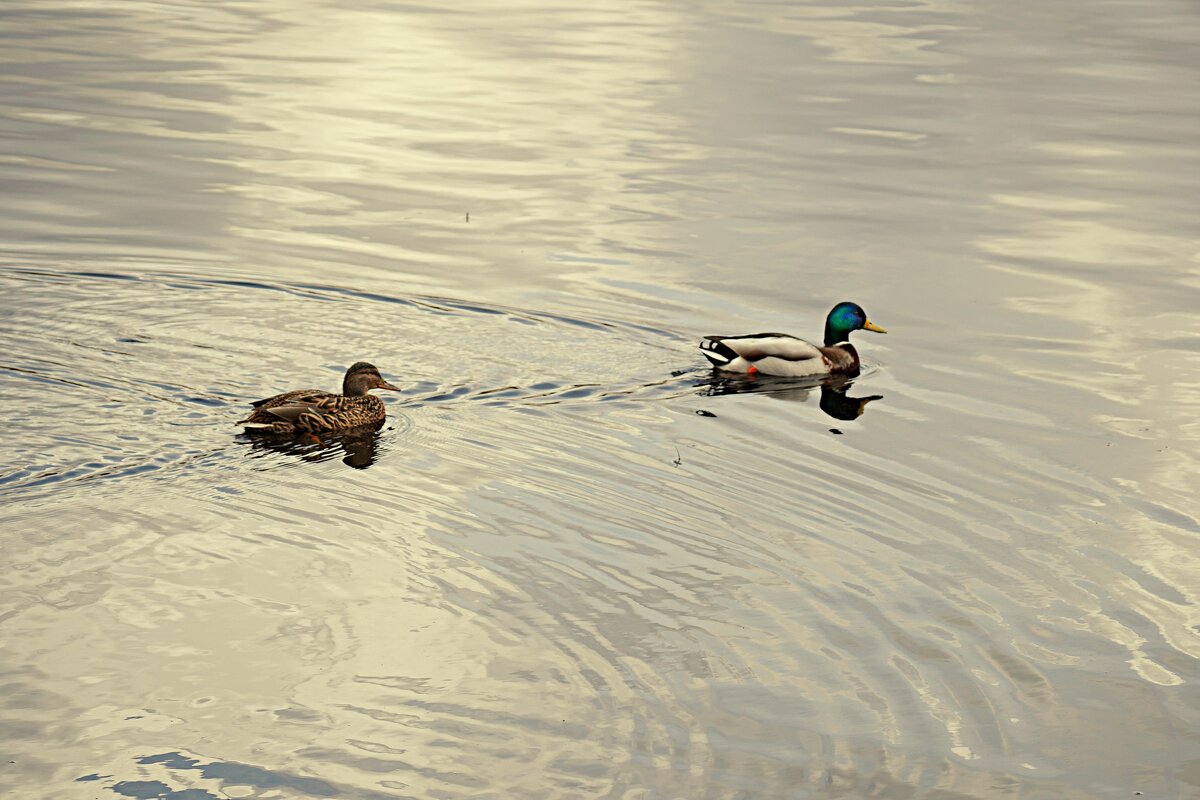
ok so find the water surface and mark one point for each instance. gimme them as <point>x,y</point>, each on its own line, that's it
<point>573,564</point>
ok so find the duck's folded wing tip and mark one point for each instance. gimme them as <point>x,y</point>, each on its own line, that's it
<point>292,411</point>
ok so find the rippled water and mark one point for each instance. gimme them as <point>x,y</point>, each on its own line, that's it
<point>574,564</point>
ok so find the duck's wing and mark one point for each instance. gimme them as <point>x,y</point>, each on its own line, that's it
<point>263,408</point>
<point>329,412</point>
<point>721,350</point>
<point>287,397</point>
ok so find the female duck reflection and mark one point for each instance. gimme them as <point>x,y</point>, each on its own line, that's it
<point>834,398</point>
<point>360,446</point>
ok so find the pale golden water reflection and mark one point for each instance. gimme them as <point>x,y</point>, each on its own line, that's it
<point>573,563</point>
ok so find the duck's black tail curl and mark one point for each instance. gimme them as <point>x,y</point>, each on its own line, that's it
<point>717,352</point>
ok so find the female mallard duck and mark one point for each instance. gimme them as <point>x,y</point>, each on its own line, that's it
<point>781,354</point>
<point>314,411</point>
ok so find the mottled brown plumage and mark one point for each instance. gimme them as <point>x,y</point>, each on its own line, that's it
<point>315,411</point>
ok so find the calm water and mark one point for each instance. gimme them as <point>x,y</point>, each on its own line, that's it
<point>571,565</point>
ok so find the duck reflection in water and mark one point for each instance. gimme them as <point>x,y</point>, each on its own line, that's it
<point>835,400</point>
<point>357,446</point>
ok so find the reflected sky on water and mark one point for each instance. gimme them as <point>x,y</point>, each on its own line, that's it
<point>579,564</point>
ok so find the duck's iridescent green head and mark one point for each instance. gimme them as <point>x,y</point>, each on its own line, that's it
<point>844,318</point>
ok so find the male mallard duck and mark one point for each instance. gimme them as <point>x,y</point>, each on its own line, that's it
<point>781,354</point>
<point>314,411</point>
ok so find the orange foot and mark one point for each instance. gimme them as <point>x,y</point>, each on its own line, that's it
<point>752,371</point>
